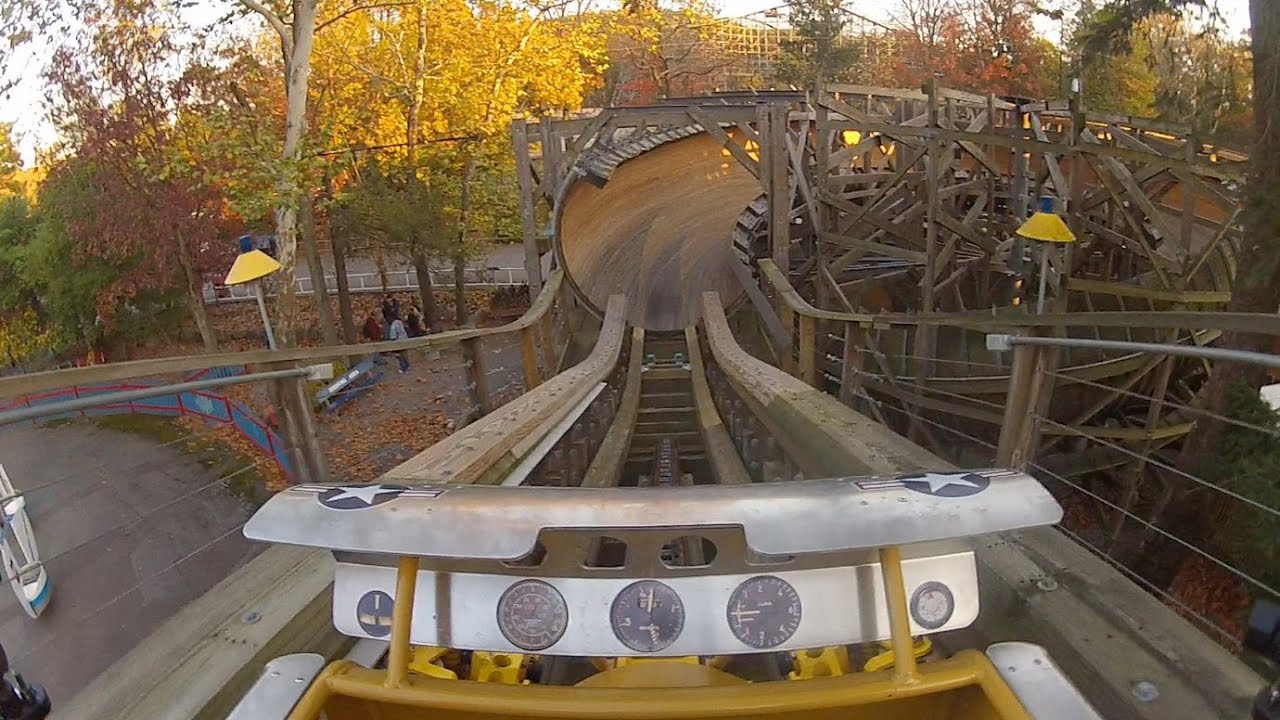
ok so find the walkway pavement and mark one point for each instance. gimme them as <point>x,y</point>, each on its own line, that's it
<point>131,532</point>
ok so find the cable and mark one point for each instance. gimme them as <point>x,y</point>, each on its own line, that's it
<point>211,429</point>
<point>135,586</point>
<point>1225,566</point>
<point>939,425</point>
<point>1163,465</point>
<point>149,513</point>
<point>1152,586</point>
<point>939,391</point>
<point>1190,408</point>
<point>967,363</point>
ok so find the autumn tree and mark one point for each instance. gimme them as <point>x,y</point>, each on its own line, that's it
<point>444,79</point>
<point>10,160</point>
<point>979,45</point>
<point>294,22</point>
<point>1255,288</point>
<point>116,91</point>
<point>667,48</point>
<point>819,48</point>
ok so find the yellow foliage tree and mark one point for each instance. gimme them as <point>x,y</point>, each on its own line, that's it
<point>433,86</point>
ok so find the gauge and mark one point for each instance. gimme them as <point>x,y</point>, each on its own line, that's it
<point>373,612</point>
<point>931,605</point>
<point>647,616</point>
<point>764,611</point>
<point>532,615</point>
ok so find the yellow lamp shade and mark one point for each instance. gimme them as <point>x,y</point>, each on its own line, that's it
<point>251,266</point>
<point>1046,227</point>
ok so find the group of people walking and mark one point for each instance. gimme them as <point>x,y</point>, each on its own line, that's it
<point>387,324</point>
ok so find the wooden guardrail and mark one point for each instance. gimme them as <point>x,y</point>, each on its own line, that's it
<point>535,325</point>
<point>200,662</point>
<point>802,319</point>
<point>497,441</point>
<point>1096,624</point>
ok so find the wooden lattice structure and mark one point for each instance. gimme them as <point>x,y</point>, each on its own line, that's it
<point>903,204</point>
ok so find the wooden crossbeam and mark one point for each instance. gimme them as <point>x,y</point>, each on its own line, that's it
<point>1131,290</point>
<point>876,247</point>
<point>713,129</point>
<point>1051,161</point>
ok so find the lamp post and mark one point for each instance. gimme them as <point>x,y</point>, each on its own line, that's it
<point>1046,227</point>
<point>253,266</point>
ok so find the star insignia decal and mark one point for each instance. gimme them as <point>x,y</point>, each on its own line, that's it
<point>949,485</point>
<point>359,496</point>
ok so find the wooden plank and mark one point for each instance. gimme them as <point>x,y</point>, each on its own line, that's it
<point>1260,323</point>
<point>1031,145</point>
<point>819,435</point>
<point>726,464</point>
<point>38,382</point>
<point>477,375</point>
<point>881,248</point>
<point>808,350</point>
<point>529,358</point>
<point>712,128</point>
<point>528,224</point>
<point>1138,291</point>
<point>606,465</point>
<point>776,334</point>
<point>467,454</point>
<point>201,661</point>
<point>776,185</point>
<point>1055,170</point>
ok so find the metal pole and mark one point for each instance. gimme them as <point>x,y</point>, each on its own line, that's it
<point>13,416</point>
<point>262,309</point>
<point>1044,276</point>
<point>1004,342</point>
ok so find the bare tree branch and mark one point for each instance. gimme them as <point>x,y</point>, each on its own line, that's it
<point>355,9</point>
<point>275,21</point>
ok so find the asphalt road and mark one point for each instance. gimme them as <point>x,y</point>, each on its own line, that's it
<point>130,532</point>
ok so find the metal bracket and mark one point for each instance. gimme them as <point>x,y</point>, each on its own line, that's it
<point>999,343</point>
<point>279,688</point>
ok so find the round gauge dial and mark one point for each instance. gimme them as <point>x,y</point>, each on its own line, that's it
<point>647,616</point>
<point>931,605</point>
<point>764,611</point>
<point>532,615</point>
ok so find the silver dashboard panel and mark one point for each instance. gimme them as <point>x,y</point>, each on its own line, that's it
<point>812,516</point>
<point>839,605</point>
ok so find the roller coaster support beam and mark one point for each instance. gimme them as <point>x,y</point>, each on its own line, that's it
<point>1027,382</point>
<point>528,205</point>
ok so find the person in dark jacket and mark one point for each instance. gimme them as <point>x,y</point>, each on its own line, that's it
<point>413,321</point>
<point>372,329</point>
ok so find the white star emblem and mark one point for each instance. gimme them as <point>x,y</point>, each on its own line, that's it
<point>937,482</point>
<point>368,494</point>
<point>357,497</point>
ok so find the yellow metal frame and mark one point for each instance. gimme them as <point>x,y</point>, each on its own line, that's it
<point>396,686</point>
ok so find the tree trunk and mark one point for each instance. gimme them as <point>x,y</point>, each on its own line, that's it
<point>460,288</point>
<point>319,288</point>
<point>195,296</point>
<point>298,72</point>
<point>425,291</point>
<point>338,245</point>
<point>460,252</point>
<point>1256,289</point>
<point>380,262</point>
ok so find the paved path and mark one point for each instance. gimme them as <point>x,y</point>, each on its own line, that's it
<point>499,256</point>
<point>130,531</point>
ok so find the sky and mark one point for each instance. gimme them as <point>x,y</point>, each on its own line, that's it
<point>24,104</point>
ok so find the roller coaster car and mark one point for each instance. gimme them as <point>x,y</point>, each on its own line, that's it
<point>780,600</point>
